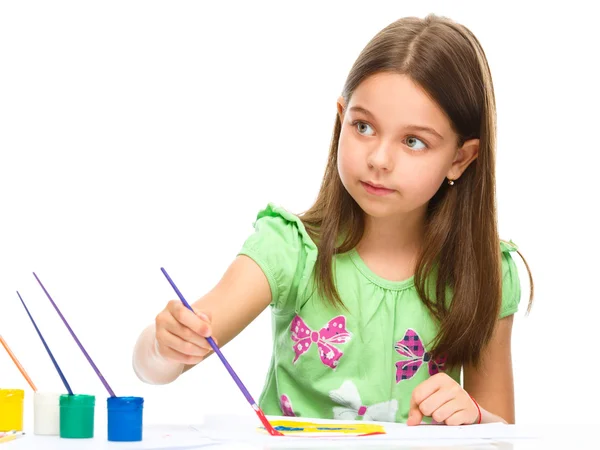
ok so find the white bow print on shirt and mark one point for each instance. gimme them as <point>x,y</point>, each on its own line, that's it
<point>352,407</point>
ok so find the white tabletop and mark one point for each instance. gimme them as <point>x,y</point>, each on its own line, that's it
<point>185,437</point>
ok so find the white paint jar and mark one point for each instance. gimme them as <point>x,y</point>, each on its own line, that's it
<point>46,413</point>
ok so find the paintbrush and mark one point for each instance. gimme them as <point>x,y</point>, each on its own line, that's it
<point>60,374</point>
<point>85,353</point>
<point>9,433</point>
<point>17,363</point>
<point>272,431</point>
<point>12,433</point>
<point>10,437</point>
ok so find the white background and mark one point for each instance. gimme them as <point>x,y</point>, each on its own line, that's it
<point>135,135</point>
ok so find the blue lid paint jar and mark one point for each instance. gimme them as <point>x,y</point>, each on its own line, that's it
<point>125,418</point>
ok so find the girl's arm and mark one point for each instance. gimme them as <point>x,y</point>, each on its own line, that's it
<point>491,384</point>
<point>176,342</point>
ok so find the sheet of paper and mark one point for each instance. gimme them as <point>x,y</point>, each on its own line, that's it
<point>310,428</point>
<point>243,429</point>
<point>167,437</point>
<point>239,433</point>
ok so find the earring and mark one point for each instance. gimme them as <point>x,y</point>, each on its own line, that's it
<point>450,182</point>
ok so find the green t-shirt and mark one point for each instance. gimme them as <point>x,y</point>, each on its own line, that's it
<point>330,363</point>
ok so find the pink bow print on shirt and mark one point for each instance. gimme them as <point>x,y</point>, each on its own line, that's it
<point>333,333</point>
<point>286,406</point>
<point>412,347</point>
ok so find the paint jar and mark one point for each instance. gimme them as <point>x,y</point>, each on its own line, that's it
<point>77,416</point>
<point>11,409</point>
<point>46,413</point>
<point>125,418</point>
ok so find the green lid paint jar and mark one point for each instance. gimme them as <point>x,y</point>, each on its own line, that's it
<point>77,416</point>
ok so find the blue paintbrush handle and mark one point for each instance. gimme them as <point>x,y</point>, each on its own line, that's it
<point>60,374</point>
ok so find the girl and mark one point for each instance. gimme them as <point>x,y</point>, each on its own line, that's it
<point>395,279</point>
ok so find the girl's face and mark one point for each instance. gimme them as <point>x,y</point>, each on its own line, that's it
<point>397,146</point>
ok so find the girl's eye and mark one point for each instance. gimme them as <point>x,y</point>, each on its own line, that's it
<point>364,128</point>
<point>415,143</point>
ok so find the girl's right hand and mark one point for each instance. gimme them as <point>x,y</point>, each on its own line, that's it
<point>181,334</point>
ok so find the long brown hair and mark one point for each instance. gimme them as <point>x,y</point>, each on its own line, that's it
<point>461,247</point>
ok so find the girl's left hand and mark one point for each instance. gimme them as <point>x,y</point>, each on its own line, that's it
<point>443,399</point>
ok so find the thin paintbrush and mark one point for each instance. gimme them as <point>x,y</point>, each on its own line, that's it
<point>17,363</point>
<point>272,431</point>
<point>60,374</point>
<point>85,353</point>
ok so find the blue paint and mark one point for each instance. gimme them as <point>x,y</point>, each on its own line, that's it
<point>284,428</point>
<point>125,418</point>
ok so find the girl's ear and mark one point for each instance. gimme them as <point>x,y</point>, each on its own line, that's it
<point>465,155</point>
<point>341,108</point>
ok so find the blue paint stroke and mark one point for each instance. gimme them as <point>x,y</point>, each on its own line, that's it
<point>284,428</point>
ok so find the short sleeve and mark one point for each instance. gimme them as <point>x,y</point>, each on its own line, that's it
<point>511,284</point>
<point>284,251</point>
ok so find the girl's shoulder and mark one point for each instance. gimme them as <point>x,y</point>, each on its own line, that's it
<point>277,228</point>
<point>283,249</point>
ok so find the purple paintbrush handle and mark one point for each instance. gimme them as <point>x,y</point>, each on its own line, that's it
<point>237,380</point>
<point>212,343</point>
<point>110,391</point>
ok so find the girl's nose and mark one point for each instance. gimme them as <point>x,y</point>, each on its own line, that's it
<point>381,158</point>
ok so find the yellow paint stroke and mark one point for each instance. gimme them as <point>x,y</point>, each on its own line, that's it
<point>297,428</point>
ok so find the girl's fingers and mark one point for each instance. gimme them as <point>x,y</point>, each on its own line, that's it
<point>419,395</point>
<point>415,416</point>
<point>459,418</point>
<point>204,315</point>
<point>446,410</point>
<point>189,319</point>
<point>174,355</point>
<point>174,327</point>
<point>436,400</point>
<point>170,340</point>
